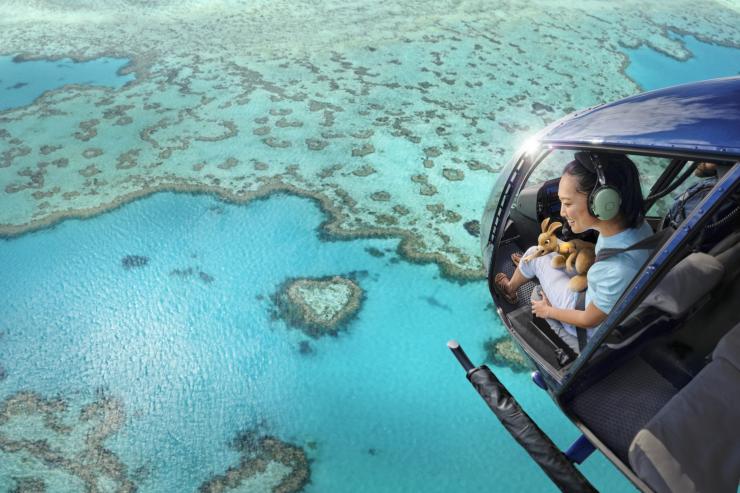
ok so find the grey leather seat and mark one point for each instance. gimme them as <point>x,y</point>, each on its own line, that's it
<point>693,443</point>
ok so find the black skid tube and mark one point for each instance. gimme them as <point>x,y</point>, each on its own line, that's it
<point>537,444</point>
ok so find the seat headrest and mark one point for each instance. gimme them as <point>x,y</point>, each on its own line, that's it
<point>685,284</point>
<point>730,258</point>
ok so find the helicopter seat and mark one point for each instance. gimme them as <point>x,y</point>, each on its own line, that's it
<point>691,443</point>
<point>685,288</point>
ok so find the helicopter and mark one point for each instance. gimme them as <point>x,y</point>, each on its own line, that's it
<point>655,387</point>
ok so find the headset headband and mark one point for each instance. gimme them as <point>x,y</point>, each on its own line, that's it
<point>592,163</point>
<point>599,169</point>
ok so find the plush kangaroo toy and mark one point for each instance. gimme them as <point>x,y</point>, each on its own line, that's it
<point>580,254</point>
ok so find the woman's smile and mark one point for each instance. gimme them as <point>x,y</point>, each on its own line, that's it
<point>574,205</point>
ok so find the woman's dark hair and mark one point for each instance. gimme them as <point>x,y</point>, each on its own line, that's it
<point>619,172</point>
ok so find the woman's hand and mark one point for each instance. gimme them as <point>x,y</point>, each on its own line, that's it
<point>541,308</point>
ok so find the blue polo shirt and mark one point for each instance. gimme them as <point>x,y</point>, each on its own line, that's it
<point>609,278</point>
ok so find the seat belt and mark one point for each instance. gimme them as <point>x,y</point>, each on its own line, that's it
<point>580,331</point>
<point>651,242</point>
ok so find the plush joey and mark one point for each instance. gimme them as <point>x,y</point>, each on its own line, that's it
<point>547,242</point>
<point>575,255</point>
<point>581,255</point>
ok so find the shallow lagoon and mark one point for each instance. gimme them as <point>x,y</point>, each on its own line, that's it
<point>381,407</point>
<point>194,360</point>
<point>652,69</point>
<point>24,81</point>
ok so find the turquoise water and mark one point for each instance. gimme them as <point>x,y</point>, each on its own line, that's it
<point>381,407</point>
<point>195,362</point>
<point>652,69</point>
<point>22,82</point>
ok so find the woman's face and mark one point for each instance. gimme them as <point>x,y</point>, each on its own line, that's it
<point>574,205</point>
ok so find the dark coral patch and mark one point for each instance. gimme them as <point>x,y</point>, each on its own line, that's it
<point>375,252</point>
<point>472,227</point>
<point>503,352</point>
<point>453,174</point>
<point>276,143</point>
<point>256,453</point>
<point>363,151</point>
<point>206,278</point>
<point>229,163</point>
<point>92,152</point>
<point>48,149</point>
<point>89,171</point>
<point>134,261</point>
<point>190,272</point>
<point>316,144</point>
<point>182,272</point>
<point>304,347</point>
<point>366,170</point>
<point>29,485</point>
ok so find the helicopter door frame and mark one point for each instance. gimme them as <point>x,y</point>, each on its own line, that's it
<point>520,169</point>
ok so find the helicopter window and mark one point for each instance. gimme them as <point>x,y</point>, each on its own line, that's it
<point>551,167</point>
<point>662,206</point>
<point>651,168</point>
<point>695,181</point>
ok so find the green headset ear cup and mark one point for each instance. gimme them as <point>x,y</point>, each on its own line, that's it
<point>604,202</point>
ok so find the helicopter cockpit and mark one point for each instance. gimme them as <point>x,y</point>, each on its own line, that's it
<point>655,386</point>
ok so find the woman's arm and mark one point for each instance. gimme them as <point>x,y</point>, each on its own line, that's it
<point>588,318</point>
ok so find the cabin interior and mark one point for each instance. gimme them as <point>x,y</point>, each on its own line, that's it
<point>655,397</point>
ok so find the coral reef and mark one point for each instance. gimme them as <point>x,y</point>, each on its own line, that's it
<point>428,100</point>
<point>318,307</point>
<point>502,351</point>
<point>47,433</point>
<point>472,227</point>
<point>193,272</point>
<point>134,261</point>
<point>285,466</point>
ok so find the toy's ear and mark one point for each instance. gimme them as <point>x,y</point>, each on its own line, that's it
<point>553,227</point>
<point>544,224</point>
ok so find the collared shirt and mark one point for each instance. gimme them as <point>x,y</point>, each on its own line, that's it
<point>609,278</point>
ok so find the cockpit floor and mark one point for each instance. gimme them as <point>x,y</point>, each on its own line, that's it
<point>619,405</point>
<point>504,264</point>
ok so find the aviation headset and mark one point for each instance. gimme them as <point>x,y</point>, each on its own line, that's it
<point>604,200</point>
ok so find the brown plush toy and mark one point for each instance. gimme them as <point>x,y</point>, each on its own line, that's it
<point>574,254</point>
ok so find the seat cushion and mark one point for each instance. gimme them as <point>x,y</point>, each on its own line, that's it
<point>692,443</point>
<point>728,349</point>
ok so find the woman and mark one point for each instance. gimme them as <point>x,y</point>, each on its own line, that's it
<point>580,193</point>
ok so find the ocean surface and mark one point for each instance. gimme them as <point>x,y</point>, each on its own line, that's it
<point>163,304</point>
<point>23,81</point>
<point>653,70</point>
<point>196,363</point>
